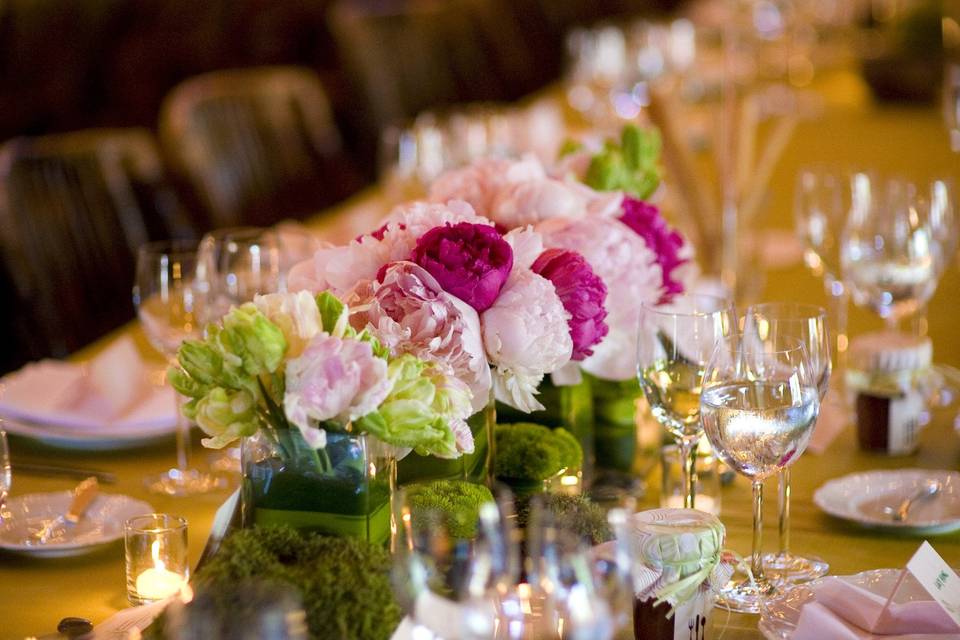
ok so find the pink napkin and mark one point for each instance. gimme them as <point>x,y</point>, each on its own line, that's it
<point>113,391</point>
<point>834,417</point>
<point>844,611</point>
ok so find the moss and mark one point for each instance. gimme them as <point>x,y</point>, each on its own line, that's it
<point>344,583</point>
<point>457,500</point>
<point>575,513</point>
<point>527,451</point>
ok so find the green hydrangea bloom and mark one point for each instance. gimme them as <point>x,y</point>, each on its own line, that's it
<point>456,501</point>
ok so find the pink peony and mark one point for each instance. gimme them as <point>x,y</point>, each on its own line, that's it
<point>339,268</point>
<point>583,295</point>
<point>333,379</point>
<point>409,312</point>
<point>526,335</point>
<point>668,246</point>
<point>630,272</point>
<point>470,261</point>
<point>478,183</point>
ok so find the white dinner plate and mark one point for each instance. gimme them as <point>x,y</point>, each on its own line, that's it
<point>779,615</point>
<point>861,497</point>
<point>80,439</point>
<point>102,524</point>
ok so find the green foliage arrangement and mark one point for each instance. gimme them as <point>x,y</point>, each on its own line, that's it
<point>458,500</point>
<point>577,513</point>
<point>344,583</point>
<point>630,165</point>
<point>527,451</point>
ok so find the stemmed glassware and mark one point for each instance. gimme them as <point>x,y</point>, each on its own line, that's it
<point>775,326</point>
<point>675,343</point>
<point>170,309</point>
<point>235,264</point>
<point>820,212</point>
<point>759,404</point>
<point>891,255</point>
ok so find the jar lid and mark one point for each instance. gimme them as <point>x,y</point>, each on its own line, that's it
<point>889,351</point>
<point>678,542</point>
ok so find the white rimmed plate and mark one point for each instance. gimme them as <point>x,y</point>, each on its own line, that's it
<point>861,497</point>
<point>101,525</point>
<point>779,615</point>
<point>105,439</point>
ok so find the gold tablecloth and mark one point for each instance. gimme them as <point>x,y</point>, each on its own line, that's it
<point>36,594</point>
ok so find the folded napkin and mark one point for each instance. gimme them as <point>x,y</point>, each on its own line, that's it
<point>834,417</point>
<point>845,611</point>
<point>113,391</point>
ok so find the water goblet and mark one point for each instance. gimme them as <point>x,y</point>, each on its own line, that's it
<point>775,326</point>
<point>674,344</point>
<point>170,309</point>
<point>758,408</point>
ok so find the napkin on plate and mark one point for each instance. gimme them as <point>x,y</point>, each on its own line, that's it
<point>845,611</point>
<point>113,390</point>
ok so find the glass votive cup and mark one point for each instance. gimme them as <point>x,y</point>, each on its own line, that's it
<point>156,557</point>
<point>707,485</point>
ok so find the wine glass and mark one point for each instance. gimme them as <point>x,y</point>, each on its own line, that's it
<point>759,407</point>
<point>675,342</point>
<point>820,212</point>
<point>890,254</point>
<point>170,309</point>
<point>449,566</point>
<point>774,326</point>
<point>235,264</point>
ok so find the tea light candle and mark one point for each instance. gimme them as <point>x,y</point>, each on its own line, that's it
<point>157,582</point>
<point>156,557</point>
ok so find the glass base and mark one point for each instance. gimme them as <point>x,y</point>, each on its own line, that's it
<point>745,596</point>
<point>793,569</point>
<point>225,460</point>
<point>183,482</point>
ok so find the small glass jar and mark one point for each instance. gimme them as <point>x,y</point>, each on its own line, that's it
<point>885,379</point>
<point>156,560</point>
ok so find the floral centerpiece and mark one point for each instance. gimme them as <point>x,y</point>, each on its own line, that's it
<point>591,203</point>
<point>324,409</point>
<point>493,309</point>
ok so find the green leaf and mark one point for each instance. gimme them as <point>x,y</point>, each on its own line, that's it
<point>568,147</point>
<point>333,314</point>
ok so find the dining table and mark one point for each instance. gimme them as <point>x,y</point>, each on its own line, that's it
<point>850,130</point>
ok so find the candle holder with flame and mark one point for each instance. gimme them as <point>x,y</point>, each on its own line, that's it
<point>156,557</point>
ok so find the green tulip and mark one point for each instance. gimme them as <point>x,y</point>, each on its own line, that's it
<point>225,416</point>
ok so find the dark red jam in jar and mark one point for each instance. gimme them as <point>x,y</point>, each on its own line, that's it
<point>651,623</point>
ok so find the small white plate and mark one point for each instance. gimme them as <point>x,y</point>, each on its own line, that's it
<point>82,440</point>
<point>779,615</point>
<point>101,525</point>
<point>861,497</point>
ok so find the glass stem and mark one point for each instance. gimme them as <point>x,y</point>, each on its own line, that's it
<point>839,302</point>
<point>688,466</point>
<point>756,561</point>
<point>919,324</point>
<point>784,507</point>
<point>183,435</point>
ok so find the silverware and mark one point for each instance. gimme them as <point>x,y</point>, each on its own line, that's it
<point>67,628</point>
<point>899,513</point>
<point>31,468</point>
<point>83,495</point>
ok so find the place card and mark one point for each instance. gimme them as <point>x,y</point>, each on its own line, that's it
<point>939,580</point>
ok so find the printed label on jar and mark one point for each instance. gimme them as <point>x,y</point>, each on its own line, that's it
<point>905,412</point>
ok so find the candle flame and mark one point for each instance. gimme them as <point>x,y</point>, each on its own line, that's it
<point>155,552</point>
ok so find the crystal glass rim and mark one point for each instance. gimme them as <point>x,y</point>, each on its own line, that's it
<point>820,312</point>
<point>237,233</point>
<point>178,249</point>
<point>724,305</point>
<point>171,523</point>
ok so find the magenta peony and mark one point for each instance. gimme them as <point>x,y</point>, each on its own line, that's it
<point>470,261</point>
<point>409,312</point>
<point>583,295</point>
<point>669,248</point>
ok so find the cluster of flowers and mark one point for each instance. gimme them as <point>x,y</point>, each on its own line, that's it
<point>293,359</point>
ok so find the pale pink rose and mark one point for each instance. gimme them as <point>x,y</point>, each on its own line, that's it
<point>409,313</point>
<point>333,379</point>
<point>629,270</point>
<point>479,182</point>
<point>526,335</point>
<point>339,268</point>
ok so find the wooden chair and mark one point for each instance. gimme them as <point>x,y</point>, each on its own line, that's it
<point>74,208</point>
<point>257,145</point>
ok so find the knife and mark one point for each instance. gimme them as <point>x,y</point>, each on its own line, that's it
<point>83,495</point>
<point>32,468</point>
